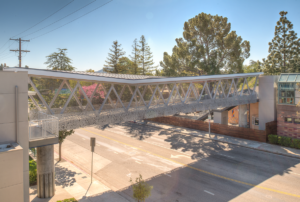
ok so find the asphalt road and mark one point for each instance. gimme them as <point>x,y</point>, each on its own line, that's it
<point>183,168</point>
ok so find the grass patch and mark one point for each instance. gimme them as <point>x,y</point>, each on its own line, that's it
<point>68,200</point>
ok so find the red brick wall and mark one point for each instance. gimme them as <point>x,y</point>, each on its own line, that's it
<point>246,133</point>
<point>287,129</point>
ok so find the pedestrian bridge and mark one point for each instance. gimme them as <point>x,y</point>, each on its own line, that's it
<point>80,99</point>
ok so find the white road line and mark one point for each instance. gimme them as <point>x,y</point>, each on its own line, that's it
<point>128,175</point>
<point>168,175</point>
<point>227,156</point>
<point>209,192</point>
<point>295,173</point>
<point>138,162</point>
<point>83,138</point>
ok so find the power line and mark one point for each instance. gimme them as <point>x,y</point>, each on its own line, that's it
<point>6,48</point>
<point>72,20</point>
<point>4,44</point>
<point>59,19</point>
<point>44,19</point>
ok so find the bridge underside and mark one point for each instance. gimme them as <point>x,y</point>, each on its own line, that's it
<point>80,100</point>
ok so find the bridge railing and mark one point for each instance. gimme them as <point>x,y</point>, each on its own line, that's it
<point>45,126</point>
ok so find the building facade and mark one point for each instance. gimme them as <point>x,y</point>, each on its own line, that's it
<point>288,109</point>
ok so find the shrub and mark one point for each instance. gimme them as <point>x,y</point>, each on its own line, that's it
<point>32,172</point>
<point>284,141</point>
<point>273,139</point>
<point>68,200</point>
<point>296,143</point>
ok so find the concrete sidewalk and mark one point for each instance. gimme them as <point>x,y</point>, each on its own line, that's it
<point>71,181</point>
<point>276,149</point>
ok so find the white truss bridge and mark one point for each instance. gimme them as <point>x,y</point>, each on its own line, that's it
<point>81,99</point>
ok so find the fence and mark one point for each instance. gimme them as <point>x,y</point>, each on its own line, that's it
<point>245,133</point>
<point>44,127</point>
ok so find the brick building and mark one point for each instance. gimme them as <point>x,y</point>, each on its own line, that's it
<point>288,113</point>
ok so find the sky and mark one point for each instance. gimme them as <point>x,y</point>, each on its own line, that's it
<point>89,38</point>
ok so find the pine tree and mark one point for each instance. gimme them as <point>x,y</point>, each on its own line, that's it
<point>112,63</point>
<point>135,57</point>
<point>146,57</point>
<point>284,49</point>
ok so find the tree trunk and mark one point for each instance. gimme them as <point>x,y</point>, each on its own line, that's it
<point>60,151</point>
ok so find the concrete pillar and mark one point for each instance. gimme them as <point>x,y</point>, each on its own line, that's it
<point>267,100</point>
<point>221,117</point>
<point>45,171</point>
<point>243,116</point>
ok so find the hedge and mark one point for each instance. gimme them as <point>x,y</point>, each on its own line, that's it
<point>32,172</point>
<point>273,139</point>
<point>284,141</point>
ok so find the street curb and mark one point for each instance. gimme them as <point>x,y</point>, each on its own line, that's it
<point>291,156</point>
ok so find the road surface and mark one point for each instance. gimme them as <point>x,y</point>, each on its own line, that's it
<point>182,168</point>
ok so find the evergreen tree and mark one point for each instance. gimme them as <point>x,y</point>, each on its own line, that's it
<point>59,61</point>
<point>284,49</point>
<point>135,57</point>
<point>146,57</point>
<point>126,65</point>
<point>112,62</point>
<point>207,46</point>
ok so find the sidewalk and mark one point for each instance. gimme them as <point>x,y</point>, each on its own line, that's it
<point>71,182</point>
<point>276,149</point>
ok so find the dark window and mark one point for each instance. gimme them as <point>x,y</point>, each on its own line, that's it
<point>297,121</point>
<point>288,120</point>
<point>286,93</point>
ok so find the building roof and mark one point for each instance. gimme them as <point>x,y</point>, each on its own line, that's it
<point>289,78</point>
<point>124,78</point>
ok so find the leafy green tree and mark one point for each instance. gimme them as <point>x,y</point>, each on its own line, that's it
<point>146,57</point>
<point>90,70</point>
<point>59,61</point>
<point>126,65</point>
<point>284,49</point>
<point>112,63</point>
<point>135,57</point>
<point>141,190</point>
<point>208,46</point>
<point>62,136</point>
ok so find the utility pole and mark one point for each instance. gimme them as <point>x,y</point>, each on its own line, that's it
<point>20,50</point>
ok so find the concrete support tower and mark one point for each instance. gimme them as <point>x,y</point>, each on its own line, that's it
<point>45,171</point>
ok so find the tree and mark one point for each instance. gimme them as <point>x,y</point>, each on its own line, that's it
<point>112,62</point>
<point>135,57</point>
<point>284,49</point>
<point>59,61</point>
<point>90,70</point>
<point>141,190</point>
<point>207,47</point>
<point>146,57</point>
<point>126,65</point>
<point>62,136</point>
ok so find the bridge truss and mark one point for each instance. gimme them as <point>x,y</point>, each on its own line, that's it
<point>81,99</point>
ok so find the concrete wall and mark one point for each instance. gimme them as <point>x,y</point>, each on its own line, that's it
<point>233,115</point>
<point>8,81</point>
<point>221,117</point>
<point>11,174</point>
<point>267,100</point>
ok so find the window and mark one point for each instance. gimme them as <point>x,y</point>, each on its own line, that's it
<point>255,121</point>
<point>297,120</point>
<point>286,93</point>
<point>288,120</point>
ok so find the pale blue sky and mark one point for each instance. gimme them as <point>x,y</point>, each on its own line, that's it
<point>161,21</point>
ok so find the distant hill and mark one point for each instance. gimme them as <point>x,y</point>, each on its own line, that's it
<point>100,71</point>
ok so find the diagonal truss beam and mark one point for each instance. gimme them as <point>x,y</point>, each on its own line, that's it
<point>76,98</point>
<point>57,93</point>
<point>70,97</point>
<point>40,96</point>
